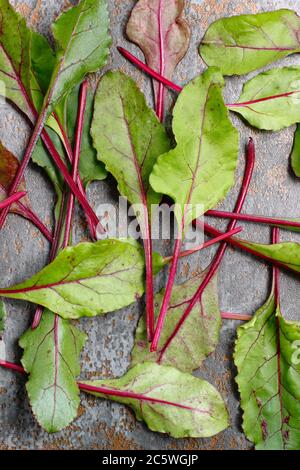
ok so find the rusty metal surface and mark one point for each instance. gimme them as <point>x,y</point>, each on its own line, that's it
<point>243,281</point>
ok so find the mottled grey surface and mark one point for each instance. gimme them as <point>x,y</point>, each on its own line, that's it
<point>243,281</point>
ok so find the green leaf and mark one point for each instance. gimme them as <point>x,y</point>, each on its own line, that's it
<point>90,168</point>
<point>82,46</point>
<point>198,336</point>
<point>15,75</point>
<point>42,64</point>
<point>200,170</point>
<point>169,401</point>
<point>51,358</point>
<point>87,280</point>
<point>2,317</point>
<point>162,33</point>
<point>271,100</point>
<point>128,137</point>
<point>286,253</point>
<point>241,44</point>
<point>295,155</point>
<point>267,359</point>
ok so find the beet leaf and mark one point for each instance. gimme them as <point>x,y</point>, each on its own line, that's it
<point>160,30</point>
<point>87,280</point>
<point>51,358</point>
<point>169,401</point>
<point>241,44</point>
<point>270,101</point>
<point>269,376</point>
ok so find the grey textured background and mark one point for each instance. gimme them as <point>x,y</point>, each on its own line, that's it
<point>243,281</point>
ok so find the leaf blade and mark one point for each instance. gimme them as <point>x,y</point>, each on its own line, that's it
<point>162,33</point>
<point>200,170</point>
<point>193,409</point>
<point>242,44</point>
<point>268,379</point>
<point>87,280</point>
<point>270,101</point>
<point>51,358</point>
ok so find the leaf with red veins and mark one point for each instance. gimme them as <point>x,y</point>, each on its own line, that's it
<point>159,29</point>
<point>267,356</point>
<point>88,279</point>
<point>198,336</point>
<point>51,358</point>
<point>166,399</point>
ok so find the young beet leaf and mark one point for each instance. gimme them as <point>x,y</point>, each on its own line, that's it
<point>169,401</point>
<point>198,173</point>
<point>128,138</point>
<point>82,41</point>
<point>159,29</point>
<point>51,358</point>
<point>270,101</point>
<point>267,360</point>
<point>86,280</point>
<point>14,57</point>
<point>244,43</point>
<point>197,339</point>
<point>285,255</point>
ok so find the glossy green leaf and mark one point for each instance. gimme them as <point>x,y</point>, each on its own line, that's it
<point>51,358</point>
<point>271,100</point>
<point>128,137</point>
<point>15,75</point>
<point>87,280</point>
<point>160,30</point>
<point>90,168</point>
<point>241,44</point>
<point>268,362</point>
<point>169,401</point>
<point>200,170</point>
<point>2,317</point>
<point>195,340</point>
<point>295,155</point>
<point>82,46</point>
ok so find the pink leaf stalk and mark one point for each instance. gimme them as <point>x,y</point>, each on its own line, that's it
<point>217,239</point>
<point>134,60</point>
<point>12,199</point>
<point>253,218</point>
<point>69,153</point>
<point>110,391</point>
<point>222,249</point>
<point>161,79</point>
<point>76,157</point>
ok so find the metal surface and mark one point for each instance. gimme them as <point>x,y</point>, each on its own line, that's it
<point>243,281</point>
